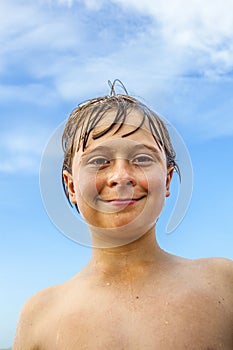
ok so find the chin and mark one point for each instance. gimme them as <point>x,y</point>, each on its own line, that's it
<point>118,235</point>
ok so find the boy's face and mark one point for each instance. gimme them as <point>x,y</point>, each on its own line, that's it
<point>120,182</point>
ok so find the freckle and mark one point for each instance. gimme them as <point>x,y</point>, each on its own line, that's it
<point>137,297</point>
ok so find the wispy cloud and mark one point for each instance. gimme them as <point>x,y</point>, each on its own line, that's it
<point>91,4</point>
<point>197,28</point>
<point>38,94</point>
<point>21,150</point>
<point>58,50</point>
<point>50,46</point>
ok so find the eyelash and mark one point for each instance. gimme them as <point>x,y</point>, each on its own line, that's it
<point>140,160</point>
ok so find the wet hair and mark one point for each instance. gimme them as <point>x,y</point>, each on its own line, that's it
<point>87,116</point>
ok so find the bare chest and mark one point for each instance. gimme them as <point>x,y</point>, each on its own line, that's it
<point>142,321</point>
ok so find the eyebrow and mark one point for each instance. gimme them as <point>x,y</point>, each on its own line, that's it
<point>94,150</point>
<point>149,147</point>
<point>135,148</point>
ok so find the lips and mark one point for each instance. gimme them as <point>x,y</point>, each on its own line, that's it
<point>122,201</point>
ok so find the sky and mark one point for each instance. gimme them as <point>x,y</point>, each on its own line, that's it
<point>175,56</point>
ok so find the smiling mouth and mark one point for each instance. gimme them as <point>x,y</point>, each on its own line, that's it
<point>122,201</point>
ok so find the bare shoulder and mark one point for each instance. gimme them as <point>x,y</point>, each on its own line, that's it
<point>42,312</point>
<point>218,268</point>
<point>31,317</point>
<point>218,272</point>
<point>213,276</point>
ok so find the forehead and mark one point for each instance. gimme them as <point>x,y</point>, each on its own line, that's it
<point>129,122</point>
<point>132,124</point>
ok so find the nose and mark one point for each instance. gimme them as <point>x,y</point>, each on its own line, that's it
<point>121,174</point>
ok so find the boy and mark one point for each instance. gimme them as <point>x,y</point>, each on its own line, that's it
<point>118,165</point>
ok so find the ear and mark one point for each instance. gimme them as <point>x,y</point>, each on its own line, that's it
<point>170,172</point>
<point>68,180</point>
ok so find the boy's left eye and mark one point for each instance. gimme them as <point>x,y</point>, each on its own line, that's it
<point>143,159</point>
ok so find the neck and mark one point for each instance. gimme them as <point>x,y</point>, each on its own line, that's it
<point>135,257</point>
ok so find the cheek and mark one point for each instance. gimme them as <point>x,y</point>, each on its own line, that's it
<point>99,181</point>
<point>155,182</point>
<point>85,188</point>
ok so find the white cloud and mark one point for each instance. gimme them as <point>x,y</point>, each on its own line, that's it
<point>59,53</point>
<point>202,29</point>
<point>34,38</point>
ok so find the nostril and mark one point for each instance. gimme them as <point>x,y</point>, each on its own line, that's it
<point>129,183</point>
<point>123,182</point>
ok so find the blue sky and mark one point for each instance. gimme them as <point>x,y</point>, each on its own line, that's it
<point>177,56</point>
